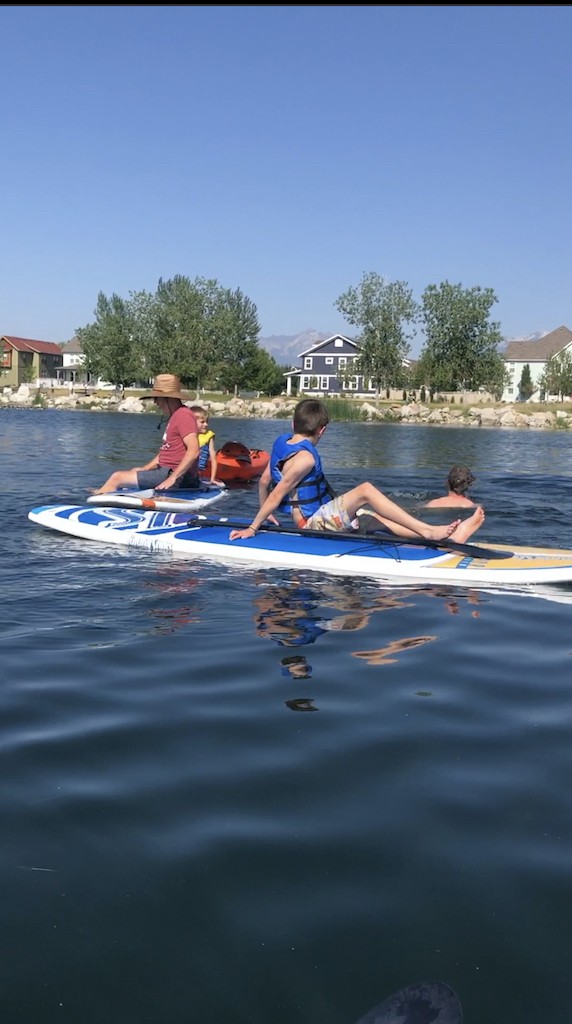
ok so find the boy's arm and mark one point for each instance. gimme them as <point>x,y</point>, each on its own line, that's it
<point>213,460</point>
<point>264,490</point>
<point>294,470</point>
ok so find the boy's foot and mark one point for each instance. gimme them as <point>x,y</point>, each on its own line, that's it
<point>469,525</point>
<point>440,532</point>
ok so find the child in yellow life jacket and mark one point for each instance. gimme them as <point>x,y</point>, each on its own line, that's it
<point>207,449</point>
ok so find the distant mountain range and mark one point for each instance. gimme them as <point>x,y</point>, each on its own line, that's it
<point>285,348</point>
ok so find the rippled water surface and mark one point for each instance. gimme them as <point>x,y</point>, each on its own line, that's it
<point>269,796</point>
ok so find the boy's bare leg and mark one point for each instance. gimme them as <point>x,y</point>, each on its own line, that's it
<point>366,493</point>
<point>461,533</point>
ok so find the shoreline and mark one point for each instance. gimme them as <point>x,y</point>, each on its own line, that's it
<point>507,416</point>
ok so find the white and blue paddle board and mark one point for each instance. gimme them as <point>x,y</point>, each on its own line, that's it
<point>178,500</point>
<point>382,558</point>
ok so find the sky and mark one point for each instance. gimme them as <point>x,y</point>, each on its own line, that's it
<point>285,151</point>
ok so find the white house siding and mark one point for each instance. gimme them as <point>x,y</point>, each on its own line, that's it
<point>515,368</point>
<point>536,354</point>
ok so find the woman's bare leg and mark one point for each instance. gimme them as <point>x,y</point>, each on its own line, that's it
<point>121,478</point>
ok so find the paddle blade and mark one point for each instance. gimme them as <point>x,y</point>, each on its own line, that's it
<point>430,1002</point>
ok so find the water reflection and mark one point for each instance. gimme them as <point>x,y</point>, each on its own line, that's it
<point>292,614</point>
<point>178,582</point>
<point>453,600</point>
<point>383,655</point>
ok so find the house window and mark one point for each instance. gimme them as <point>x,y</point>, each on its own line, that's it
<point>329,360</point>
<point>342,360</point>
<point>338,343</point>
<point>308,363</point>
<point>7,358</point>
<point>324,383</point>
<point>350,385</point>
<point>304,383</point>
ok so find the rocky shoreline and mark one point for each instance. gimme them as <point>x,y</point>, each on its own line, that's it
<point>281,408</point>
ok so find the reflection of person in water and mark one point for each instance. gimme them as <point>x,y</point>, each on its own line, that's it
<point>451,598</point>
<point>301,704</point>
<point>287,615</point>
<point>296,666</point>
<point>384,655</point>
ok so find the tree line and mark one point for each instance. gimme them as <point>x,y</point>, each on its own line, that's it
<point>208,335</point>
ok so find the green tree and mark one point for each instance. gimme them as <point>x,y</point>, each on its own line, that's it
<point>183,341</point>
<point>386,312</point>
<point>112,345</point>
<point>237,329</point>
<point>262,373</point>
<point>203,332</point>
<point>461,347</point>
<point>526,387</point>
<point>196,329</point>
<point>556,378</point>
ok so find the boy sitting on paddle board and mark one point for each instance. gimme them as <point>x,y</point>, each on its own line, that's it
<point>293,482</point>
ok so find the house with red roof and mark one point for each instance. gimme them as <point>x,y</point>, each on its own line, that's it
<point>26,361</point>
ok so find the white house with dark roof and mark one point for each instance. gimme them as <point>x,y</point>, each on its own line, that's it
<point>536,354</point>
<point>73,371</point>
<point>323,367</point>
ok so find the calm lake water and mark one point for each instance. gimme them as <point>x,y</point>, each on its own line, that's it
<point>242,797</point>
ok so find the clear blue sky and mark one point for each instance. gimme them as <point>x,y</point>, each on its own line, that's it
<point>285,151</point>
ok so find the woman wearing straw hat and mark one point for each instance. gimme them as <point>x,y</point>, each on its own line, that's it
<point>175,464</point>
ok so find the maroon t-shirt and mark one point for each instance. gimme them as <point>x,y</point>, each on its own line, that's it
<point>173,449</point>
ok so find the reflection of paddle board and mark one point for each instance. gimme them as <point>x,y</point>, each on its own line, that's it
<point>384,558</point>
<point>160,501</point>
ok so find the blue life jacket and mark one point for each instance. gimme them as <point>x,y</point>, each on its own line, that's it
<point>313,491</point>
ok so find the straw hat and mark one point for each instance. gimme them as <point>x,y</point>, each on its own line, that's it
<point>166,385</point>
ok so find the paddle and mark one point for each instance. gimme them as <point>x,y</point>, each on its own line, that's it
<point>430,1001</point>
<point>473,550</point>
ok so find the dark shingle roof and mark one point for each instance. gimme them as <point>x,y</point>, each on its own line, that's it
<point>540,350</point>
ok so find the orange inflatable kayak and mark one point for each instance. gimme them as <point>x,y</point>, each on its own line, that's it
<point>237,462</point>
